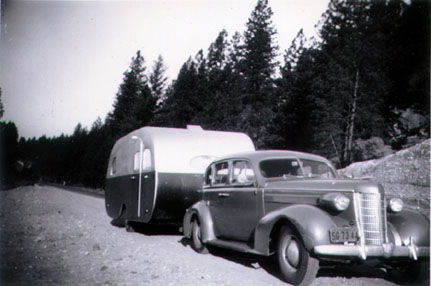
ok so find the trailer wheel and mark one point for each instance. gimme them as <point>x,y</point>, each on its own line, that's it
<point>197,243</point>
<point>118,222</point>
<point>296,265</point>
<point>129,226</point>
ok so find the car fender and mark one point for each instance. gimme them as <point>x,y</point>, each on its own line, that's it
<point>201,210</point>
<point>409,223</point>
<point>311,222</point>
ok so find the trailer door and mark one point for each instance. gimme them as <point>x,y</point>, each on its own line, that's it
<point>145,183</point>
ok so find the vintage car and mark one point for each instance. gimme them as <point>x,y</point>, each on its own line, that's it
<point>295,206</point>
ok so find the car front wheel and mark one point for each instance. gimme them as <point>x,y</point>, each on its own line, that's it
<point>415,273</point>
<point>197,243</point>
<point>296,265</point>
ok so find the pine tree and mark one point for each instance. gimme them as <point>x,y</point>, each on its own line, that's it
<point>158,80</point>
<point>257,67</point>
<point>217,53</point>
<point>354,82</point>
<point>408,63</point>
<point>183,99</point>
<point>135,104</point>
<point>292,55</point>
<point>8,152</point>
<point>260,50</point>
<point>236,53</point>
<point>293,128</point>
<point>1,105</point>
<point>218,109</point>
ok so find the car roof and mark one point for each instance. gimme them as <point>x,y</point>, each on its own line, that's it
<point>273,154</point>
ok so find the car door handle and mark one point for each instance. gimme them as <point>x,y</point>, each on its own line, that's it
<point>223,195</point>
<point>132,177</point>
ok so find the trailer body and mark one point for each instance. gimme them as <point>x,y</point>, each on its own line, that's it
<point>155,173</point>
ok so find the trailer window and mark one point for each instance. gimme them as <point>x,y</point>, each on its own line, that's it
<point>147,163</point>
<point>146,160</point>
<point>113,166</point>
<point>136,161</point>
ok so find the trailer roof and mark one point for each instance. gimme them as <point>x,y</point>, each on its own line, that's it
<point>179,150</point>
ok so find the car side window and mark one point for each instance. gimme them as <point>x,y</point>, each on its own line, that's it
<point>221,172</point>
<point>242,173</point>
<point>316,169</point>
<point>208,176</point>
<point>273,168</point>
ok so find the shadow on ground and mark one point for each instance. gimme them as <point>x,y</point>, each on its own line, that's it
<point>147,229</point>
<point>269,264</point>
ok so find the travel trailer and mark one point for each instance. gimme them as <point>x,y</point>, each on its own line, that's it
<point>155,173</point>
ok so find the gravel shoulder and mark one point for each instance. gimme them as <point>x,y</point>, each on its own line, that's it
<point>50,236</point>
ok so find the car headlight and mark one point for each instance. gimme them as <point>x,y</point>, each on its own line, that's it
<point>335,201</point>
<point>341,202</point>
<point>395,205</point>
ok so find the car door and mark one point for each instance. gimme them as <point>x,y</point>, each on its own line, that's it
<point>234,200</point>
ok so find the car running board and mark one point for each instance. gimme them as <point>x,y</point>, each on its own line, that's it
<point>233,245</point>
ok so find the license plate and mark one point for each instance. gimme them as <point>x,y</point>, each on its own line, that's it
<point>337,235</point>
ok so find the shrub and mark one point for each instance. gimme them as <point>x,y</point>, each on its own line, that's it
<point>367,149</point>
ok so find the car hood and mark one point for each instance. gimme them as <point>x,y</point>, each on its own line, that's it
<point>326,185</point>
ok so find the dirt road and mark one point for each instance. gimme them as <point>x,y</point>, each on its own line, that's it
<point>50,236</point>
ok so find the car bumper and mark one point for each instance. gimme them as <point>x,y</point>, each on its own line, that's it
<point>385,251</point>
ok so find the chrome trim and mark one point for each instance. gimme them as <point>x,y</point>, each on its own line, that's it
<point>358,214</point>
<point>156,187</point>
<point>386,250</point>
<point>371,210</point>
<point>384,220</point>
<point>371,221</point>
<point>413,249</point>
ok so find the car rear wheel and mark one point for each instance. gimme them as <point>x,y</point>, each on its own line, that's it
<point>296,265</point>
<point>197,243</point>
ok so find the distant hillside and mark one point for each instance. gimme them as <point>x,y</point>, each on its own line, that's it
<point>404,174</point>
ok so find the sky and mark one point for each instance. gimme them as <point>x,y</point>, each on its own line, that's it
<point>61,62</point>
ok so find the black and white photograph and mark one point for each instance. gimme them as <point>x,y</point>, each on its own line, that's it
<point>215,142</point>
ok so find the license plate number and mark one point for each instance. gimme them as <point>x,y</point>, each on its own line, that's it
<point>343,235</point>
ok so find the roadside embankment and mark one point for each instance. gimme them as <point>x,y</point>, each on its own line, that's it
<point>404,174</point>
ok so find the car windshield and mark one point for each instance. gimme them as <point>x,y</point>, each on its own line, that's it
<point>295,168</point>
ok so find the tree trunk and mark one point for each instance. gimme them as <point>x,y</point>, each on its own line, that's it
<point>351,123</point>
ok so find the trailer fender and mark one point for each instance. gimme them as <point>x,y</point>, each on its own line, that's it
<point>311,222</point>
<point>200,211</point>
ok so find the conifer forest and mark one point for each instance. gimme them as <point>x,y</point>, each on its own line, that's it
<point>358,91</point>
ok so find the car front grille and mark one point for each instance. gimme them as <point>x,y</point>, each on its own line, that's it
<point>373,218</point>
